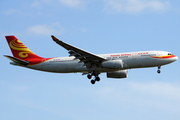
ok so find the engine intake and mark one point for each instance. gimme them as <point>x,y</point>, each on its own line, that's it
<point>117,74</point>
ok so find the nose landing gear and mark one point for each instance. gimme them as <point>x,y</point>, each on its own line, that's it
<point>159,71</point>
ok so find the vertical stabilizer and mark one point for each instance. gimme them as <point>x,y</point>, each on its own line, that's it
<point>19,50</point>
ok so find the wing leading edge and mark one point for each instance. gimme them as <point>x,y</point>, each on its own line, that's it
<point>86,57</point>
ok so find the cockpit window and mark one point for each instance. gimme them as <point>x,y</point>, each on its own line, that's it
<point>169,53</point>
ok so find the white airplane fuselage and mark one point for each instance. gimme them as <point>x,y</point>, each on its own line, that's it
<point>130,60</point>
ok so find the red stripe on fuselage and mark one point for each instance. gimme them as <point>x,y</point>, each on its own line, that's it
<point>169,56</point>
<point>163,57</point>
<point>35,61</point>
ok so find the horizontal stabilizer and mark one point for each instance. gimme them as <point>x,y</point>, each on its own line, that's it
<point>16,60</point>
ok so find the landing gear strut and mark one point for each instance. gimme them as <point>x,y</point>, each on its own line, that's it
<point>96,77</point>
<point>159,71</point>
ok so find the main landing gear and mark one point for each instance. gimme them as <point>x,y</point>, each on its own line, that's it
<point>159,71</point>
<point>96,77</point>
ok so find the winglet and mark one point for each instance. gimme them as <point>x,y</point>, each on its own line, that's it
<point>54,38</point>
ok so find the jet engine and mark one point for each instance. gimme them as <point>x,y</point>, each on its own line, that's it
<point>112,64</point>
<point>117,74</point>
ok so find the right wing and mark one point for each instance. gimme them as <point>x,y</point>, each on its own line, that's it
<point>86,57</point>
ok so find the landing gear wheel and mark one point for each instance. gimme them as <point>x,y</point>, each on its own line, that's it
<point>93,81</point>
<point>97,79</point>
<point>158,71</point>
<point>89,76</point>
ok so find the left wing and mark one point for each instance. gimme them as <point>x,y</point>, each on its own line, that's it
<point>86,57</point>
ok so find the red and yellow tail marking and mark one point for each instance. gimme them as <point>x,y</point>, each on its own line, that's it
<point>23,51</point>
<point>20,51</point>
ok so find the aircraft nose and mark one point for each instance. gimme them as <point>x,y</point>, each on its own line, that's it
<point>175,58</point>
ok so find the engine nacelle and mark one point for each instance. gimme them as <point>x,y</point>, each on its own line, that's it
<point>117,74</point>
<point>112,64</point>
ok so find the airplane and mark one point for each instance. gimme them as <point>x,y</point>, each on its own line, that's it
<point>115,65</point>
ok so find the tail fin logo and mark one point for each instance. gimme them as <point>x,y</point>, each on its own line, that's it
<point>18,46</point>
